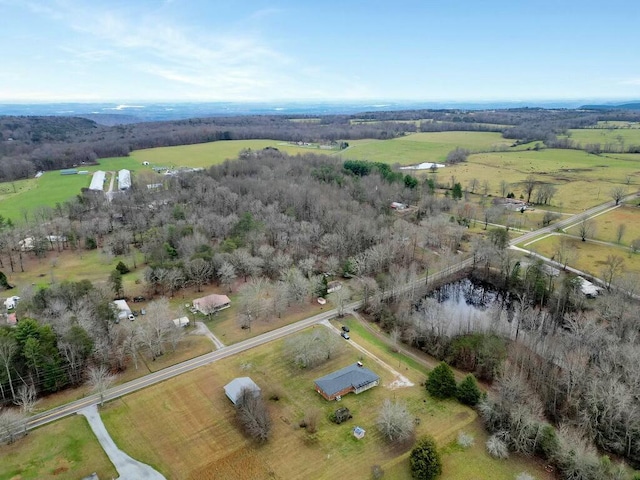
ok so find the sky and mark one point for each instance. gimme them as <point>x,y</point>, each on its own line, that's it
<point>322,50</point>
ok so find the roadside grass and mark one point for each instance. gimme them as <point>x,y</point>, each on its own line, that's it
<point>198,437</point>
<point>225,326</point>
<point>591,256</point>
<point>606,225</point>
<point>203,155</point>
<point>191,346</point>
<point>64,449</point>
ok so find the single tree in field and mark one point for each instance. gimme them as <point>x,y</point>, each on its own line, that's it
<point>441,382</point>
<point>504,188</point>
<point>618,193</point>
<point>468,391</point>
<point>425,460</point>
<point>473,185</point>
<point>622,228</point>
<point>586,228</point>
<point>115,278</point>
<point>529,185</point>
<point>394,421</point>
<point>99,379</point>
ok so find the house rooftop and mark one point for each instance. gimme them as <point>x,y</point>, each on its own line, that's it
<point>351,376</point>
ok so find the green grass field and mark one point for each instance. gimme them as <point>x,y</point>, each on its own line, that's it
<point>606,225</point>
<point>199,439</point>
<point>422,147</point>
<point>622,137</point>
<point>64,449</point>
<point>202,155</point>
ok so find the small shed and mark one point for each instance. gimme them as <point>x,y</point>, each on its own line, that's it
<point>122,308</point>
<point>333,286</point>
<point>181,322</point>
<point>234,388</point>
<point>359,432</point>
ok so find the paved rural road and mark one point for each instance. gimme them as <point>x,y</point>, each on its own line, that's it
<point>170,372</point>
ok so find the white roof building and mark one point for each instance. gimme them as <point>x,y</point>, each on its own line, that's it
<point>123,309</point>
<point>97,181</point>
<point>11,302</point>
<point>181,322</point>
<point>124,179</point>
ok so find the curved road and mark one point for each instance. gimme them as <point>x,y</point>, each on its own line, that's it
<point>170,372</point>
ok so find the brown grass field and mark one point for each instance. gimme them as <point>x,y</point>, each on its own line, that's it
<point>185,427</point>
<point>591,256</point>
<point>66,449</point>
<point>606,225</point>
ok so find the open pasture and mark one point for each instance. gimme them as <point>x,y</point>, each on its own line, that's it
<point>617,137</point>
<point>591,257</point>
<point>422,147</point>
<point>606,225</point>
<point>197,436</point>
<point>203,155</point>
<point>64,449</point>
<point>582,180</point>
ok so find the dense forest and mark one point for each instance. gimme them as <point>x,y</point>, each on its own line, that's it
<point>30,144</point>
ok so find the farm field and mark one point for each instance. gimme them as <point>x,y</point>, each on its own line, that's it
<point>606,225</point>
<point>203,155</point>
<point>64,449</point>
<point>591,256</point>
<point>582,180</point>
<point>422,147</point>
<point>199,439</point>
<point>617,137</point>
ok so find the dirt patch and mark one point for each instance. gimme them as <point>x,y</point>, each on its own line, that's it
<point>239,465</point>
<point>462,416</point>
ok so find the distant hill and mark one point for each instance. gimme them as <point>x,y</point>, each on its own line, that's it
<point>624,106</point>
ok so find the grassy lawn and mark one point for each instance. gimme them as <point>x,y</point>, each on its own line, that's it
<point>199,439</point>
<point>591,256</point>
<point>92,265</point>
<point>64,449</point>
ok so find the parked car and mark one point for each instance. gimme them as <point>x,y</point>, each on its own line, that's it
<point>132,317</point>
<point>139,299</point>
<point>345,335</point>
<point>345,328</point>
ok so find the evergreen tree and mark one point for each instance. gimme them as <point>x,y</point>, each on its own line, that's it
<point>441,383</point>
<point>425,460</point>
<point>468,391</point>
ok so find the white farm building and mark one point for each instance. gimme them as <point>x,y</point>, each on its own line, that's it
<point>97,181</point>
<point>124,179</point>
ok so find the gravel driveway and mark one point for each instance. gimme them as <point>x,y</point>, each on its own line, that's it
<point>128,468</point>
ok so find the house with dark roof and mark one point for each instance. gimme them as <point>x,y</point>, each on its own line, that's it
<point>353,378</point>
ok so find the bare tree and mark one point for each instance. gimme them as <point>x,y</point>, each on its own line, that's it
<point>586,228</point>
<point>486,186</point>
<point>618,193</point>
<point>473,184</point>
<point>504,188</point>
<point>99,379</point>
<point>253,415</point>
<point>27,398</point>
<point>395,422</point>
<point>565,253</point>
<point>622,227</point>
<point>227,274</point>
<point>529,185</point>
<point>312,349</point>
<point>8,348</point>
<point>613,266</point>
<point>12,425</point>
<point>339,298</point>
<point>154,331</point>
<point>199,271</point>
